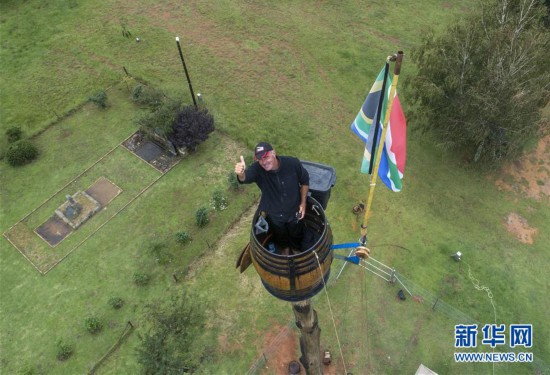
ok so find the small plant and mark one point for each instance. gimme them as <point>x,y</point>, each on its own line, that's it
<point>232,181</point>
<point>21,152</point>
<point>125,32</point>
<point>14,134</point>
<point>116,302</point>
<point>64,350</point>
<point>201,217</point>
<point>99,99</point>
<point>29,370</point>
<point>93,325</point>
<point>183,237</point>
<point>137,92</point>
<point>219,200</point>
<point>141,279</point>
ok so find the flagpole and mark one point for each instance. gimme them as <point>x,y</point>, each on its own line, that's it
<point>378,114</point>
<point>397,69</point>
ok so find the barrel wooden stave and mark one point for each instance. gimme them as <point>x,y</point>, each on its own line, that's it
<point>300,276</point>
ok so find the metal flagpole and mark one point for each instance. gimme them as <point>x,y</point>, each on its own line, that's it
<point>398,59</point>
<point>378,114</point>
<point>186,73</point>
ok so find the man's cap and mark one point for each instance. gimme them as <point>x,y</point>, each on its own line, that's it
<point>261,150</point>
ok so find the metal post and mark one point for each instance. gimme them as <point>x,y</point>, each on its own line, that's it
<point>186,73</point>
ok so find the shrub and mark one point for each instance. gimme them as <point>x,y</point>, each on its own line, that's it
<point>141,279</point>
<point>219,200</point>
<point>183,237</point>
<point>64,350</point>
<point>21,152</point>
<point>175,340</point>
<point>161,119</point>
<point>116,302</point>
<point>191,127</point>
<point>93,325</point>
<point>232,181</point>
<point>14,134</point>
<point>99,99</point>
<point>147,96</point>
<point>201,217</point>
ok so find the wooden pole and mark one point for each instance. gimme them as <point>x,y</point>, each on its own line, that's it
<point>310,340</point>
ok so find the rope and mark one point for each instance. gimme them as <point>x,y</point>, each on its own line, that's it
<point>476,285</point>
<point>331,314</point>
<point>475,282</point>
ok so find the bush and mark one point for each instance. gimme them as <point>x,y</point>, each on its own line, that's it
<point>64,350</point>
<point>191,127</point>
<point>93,325</point>
<point>160,121</point>
<point>14,134</point>
<point>116,302</point>
<point>99,99</point>
<point>219,200</point>
<point>183,237</point>
<point>21,152</point>
<point>232,181</point>
<point>201,217</point>
<point>175,340</point>
<point>146,96</point>
<point>141,279</point>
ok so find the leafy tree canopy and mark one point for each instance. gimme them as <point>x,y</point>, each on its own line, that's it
<point>173,343</point>
<point>482,83</point>
<point>191,127</point>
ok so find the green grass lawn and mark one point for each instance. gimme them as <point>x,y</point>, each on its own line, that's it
<point>293,74</point>
<point>104,265</point>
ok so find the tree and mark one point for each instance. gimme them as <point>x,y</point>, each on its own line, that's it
<point>173,342</point>
<point>161,119</point>
<point>482,83</point>
<point>191,127</point>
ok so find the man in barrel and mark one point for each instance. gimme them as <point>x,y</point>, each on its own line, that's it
<point>284,183</point>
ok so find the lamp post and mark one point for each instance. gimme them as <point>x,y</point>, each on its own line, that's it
<point>186,73</point>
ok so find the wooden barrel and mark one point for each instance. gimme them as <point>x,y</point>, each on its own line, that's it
<point>300,276</point>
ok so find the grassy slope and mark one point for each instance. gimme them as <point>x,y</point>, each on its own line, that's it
<point>294,74</point>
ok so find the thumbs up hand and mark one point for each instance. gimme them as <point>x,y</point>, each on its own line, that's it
<point>239,168</point>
